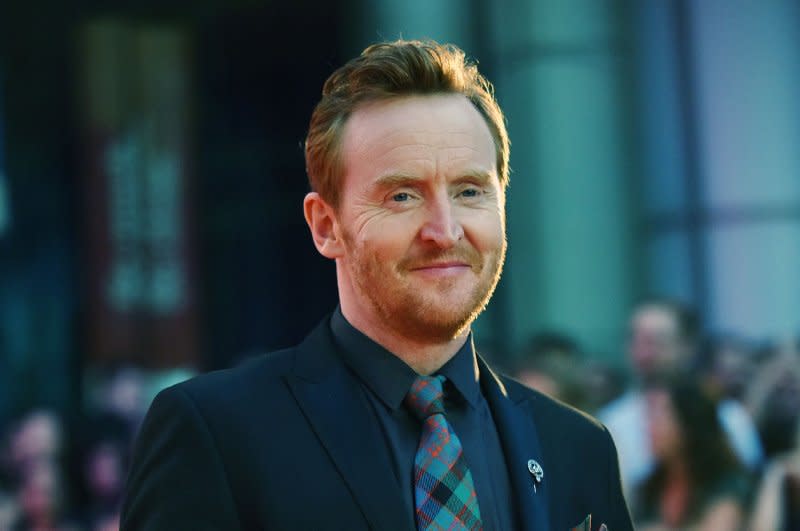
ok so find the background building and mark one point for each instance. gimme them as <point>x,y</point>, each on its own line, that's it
<point>151,172</point>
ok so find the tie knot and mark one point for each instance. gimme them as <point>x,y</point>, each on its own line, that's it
<point>425,398</point>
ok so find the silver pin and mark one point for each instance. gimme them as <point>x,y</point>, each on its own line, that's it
<point>536,471</point>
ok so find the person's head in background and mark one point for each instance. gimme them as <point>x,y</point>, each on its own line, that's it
<point>550,363</point>
<point>38,436</point>
<point>727,363</point>
<point>662,338</point>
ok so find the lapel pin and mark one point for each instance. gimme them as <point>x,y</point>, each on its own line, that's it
<point>536,471</point>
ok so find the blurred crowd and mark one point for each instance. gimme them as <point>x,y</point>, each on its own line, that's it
<point>60,473</point>
<point>706,429</point>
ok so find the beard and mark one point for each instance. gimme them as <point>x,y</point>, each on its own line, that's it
<point>437,310</point>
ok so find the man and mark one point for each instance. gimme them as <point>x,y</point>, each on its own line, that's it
<point>663,339</point>
<point>384,417</point>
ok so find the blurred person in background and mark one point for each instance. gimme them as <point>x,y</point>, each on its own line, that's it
<point>38,436</point>
<point>100,444</point>
<point>104,464</point>
<point>727,364</point>
<point>56,478</point>
<point>773,397</point>
<point>662,343</point>
<point>37,454</point>
<point>115,403</point>
<point>42,499</point>
<point>551,363</point>
<point>602,384</point>
<point>384,417</point>
<point>123,397</point>
<point>777,505</point>
<point>697,483</point>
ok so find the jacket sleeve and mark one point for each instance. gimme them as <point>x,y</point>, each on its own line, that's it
<point>177,479</point>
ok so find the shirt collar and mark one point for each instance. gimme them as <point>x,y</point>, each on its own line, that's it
<point>388,376</point>
<point>462,372</point>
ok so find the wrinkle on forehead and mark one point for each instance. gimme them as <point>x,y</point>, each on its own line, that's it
<point>366,131</point>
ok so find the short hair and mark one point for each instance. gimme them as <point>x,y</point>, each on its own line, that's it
<point>386,71</point>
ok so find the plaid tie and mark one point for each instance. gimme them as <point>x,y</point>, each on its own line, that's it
<point>444,494</point>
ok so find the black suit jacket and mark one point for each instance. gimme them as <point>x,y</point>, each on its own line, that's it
<point>288,441</point>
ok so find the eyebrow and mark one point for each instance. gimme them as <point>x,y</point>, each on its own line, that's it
<point>395,179</point>
<point>479,175</point>
<point>399,179</point>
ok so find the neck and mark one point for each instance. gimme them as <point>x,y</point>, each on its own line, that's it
<point>424,356</point>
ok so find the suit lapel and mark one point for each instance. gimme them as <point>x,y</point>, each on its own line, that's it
<point>334,405</point>
<point>517,431</point>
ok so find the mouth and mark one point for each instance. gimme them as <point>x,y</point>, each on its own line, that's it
<point>442,269</point>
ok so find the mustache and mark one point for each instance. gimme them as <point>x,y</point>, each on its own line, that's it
<point>465,255</point>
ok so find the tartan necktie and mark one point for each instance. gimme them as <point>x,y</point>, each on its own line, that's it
<point>444,494</point>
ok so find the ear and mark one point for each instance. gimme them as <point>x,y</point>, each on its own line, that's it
<point>321,219</point>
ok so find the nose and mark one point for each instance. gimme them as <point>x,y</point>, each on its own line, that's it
<point>441,226</point>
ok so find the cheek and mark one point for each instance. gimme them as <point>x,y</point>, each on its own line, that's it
<point>485,231</point>
<point>389,239</point>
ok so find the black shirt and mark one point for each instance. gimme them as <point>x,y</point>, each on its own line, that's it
<point>386,379</point>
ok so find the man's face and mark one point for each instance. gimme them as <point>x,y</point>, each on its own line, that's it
<point>421,215</point>
<point>655,345</point>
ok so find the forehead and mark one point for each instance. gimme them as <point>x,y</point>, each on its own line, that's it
<point>444,130</point>
<point>655,319</point>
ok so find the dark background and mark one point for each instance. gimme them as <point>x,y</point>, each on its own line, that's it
<point>257,69</point>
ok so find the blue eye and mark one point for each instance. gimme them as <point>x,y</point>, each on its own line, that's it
<point>470,192</point>
<point>401,197</point>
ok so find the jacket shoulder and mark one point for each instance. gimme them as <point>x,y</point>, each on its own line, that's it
<point>256,370</point>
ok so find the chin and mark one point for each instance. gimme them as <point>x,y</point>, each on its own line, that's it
<point>441,322</point>
<point>436,331</point>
